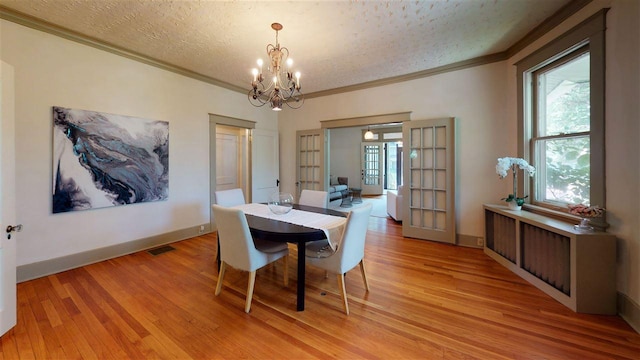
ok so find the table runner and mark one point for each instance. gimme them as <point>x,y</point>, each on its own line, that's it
<point>331,225</point>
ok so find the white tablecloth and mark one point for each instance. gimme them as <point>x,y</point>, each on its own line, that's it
<point>331,225</point>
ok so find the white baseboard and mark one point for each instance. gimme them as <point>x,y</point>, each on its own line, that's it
<point>629,311</point>
<point>469,241</point>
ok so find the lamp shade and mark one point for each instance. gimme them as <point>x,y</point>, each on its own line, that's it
<point>368,135</point>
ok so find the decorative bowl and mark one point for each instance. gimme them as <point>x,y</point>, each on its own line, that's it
<point>280,203</point>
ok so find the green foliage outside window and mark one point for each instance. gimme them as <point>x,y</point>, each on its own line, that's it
<point>567,160</point>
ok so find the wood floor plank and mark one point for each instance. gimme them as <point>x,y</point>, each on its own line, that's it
<point>9,346</point>
<point>427,301</point>
<point>71,337</point>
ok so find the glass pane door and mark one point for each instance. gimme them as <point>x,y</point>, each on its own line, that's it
<point>372,168</point>
<point>430,180</point>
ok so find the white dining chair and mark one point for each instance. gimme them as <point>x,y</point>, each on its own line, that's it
<point>314,198</point>
<point>239,250</point>
<point>228,198</point>
<point>350,251</point>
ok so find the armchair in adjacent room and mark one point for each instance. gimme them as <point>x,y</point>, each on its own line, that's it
<point>394,203</point>
<point>336,191</point>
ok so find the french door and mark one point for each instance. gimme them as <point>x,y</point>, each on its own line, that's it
<point>311,161</point>
<point>371,158</point>
<point>429,174</point>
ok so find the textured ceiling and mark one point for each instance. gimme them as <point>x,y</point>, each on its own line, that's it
<point>333,43</point>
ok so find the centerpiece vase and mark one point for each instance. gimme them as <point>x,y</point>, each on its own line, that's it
<point>513,205</point>
<point>280,203</point>
<point>514,170</point>
<point>584,225</point>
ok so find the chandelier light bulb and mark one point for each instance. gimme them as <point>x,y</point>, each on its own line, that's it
<point>254,71</point>
<point>298,79</point>
<point>260,62</point>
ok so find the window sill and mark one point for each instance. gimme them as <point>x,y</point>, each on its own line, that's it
<point>599,224</point>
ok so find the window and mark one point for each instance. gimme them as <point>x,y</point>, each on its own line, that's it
<point>561,116</point>
<point>560,139</point>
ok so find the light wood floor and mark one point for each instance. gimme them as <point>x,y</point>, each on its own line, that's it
<point>427,301</point>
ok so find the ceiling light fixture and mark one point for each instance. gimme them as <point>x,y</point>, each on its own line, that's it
<point>368,135</point>
<point>282,87</point>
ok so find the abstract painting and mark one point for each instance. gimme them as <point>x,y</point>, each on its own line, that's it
<point>103,160</point>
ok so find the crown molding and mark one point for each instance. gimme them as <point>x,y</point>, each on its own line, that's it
<point>554,20</point>
<point>557,18</point>
<point>47,27</point>
<point>482,60</point>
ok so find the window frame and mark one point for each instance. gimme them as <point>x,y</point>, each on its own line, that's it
<point>591,33</point>
<point>534,123</point>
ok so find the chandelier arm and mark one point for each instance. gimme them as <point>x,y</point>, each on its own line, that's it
<point>258,95</point>
<point>272,48</point>
<point>288,91</point>
<point>257,101</point>
<point>266,89</point>
<point>295,103</point>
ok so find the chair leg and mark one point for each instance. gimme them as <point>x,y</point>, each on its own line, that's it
<point>218,260</point>
<point>223,267</point>
<point>364,275</point>
<point>285,260</point>
<point>344,293</point>
<point>252,282</point>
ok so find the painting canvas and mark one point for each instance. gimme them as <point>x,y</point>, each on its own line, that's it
<point>103,160</point>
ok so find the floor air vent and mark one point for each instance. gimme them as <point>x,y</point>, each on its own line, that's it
<point>160,250</point>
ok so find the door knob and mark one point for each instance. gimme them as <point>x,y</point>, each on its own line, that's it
<point>16,228</point>
<point>12,228</point>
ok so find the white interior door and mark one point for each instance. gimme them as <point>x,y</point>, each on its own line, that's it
<point>232,159</point>
<point>429,178</point>
<point>8,314</point>
<point>265,164</point>
<point>371,158</point>
<point>228,155</point>
<point>311,160</point>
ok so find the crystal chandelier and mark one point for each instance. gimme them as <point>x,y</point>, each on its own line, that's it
<point>282,87</point>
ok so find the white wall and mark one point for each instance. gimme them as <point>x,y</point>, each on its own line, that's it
<point>622,145</point>
<point>476,96</point>
<point>484,99</point>
<point>345,154</point>
<point>51,71</point>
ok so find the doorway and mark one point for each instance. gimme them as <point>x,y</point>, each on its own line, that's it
<point>237,150</point>
<point>232,160</point>
<point>234,153</point>
<point>366,163</point>
<point>393,165</point>
<point>372,169</point>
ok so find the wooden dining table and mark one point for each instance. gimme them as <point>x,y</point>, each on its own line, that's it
<point>280,231</point>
